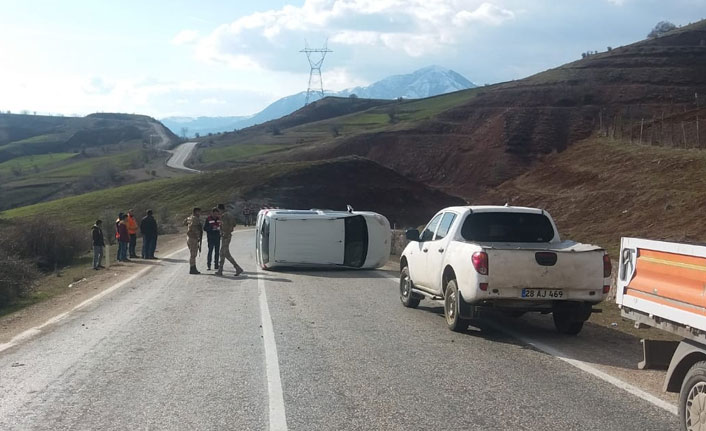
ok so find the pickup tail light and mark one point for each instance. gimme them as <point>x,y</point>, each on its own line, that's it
<point>480,262</point>
<point>483,286</point>
<point>607,266</point>
<point>606,289</point>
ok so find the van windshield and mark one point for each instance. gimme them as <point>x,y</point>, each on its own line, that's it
<point>356,249</point>
<point>265,240</point>
<point>507,227</point>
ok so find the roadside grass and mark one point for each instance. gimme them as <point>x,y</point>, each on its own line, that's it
<point>24,165</point>
<point>54,284</point>
<point>238,152</point>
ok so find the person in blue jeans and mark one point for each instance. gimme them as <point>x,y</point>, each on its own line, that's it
<point>148,227</point>
<point>98,244</point>
<point>123,238</point>
<point>212,226</point>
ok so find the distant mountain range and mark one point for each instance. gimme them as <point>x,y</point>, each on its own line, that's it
<point>426,82</point>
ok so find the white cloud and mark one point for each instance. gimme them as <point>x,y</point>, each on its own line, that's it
<point>185,37</point>
<point>487,13</point>
<point>270,40</point>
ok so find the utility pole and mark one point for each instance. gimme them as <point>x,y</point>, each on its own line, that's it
<point>316,58</point>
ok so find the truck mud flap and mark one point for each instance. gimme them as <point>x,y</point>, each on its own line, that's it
<point>466,310</point>
<point>657,354</point>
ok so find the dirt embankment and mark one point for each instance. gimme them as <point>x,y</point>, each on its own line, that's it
<point>600,189</point>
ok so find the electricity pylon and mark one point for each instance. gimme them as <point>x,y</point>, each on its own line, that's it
<point>316,58</point>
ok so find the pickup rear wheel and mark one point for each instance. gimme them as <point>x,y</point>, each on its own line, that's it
<point>566,323</point>
<point>692,398</point>
<point>451,308</point>
<point>406,297</point>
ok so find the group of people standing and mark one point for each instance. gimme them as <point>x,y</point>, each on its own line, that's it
<point>126,229</point>
<point>219,227</point>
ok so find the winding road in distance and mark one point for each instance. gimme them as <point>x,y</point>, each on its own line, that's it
<point>180,155</point>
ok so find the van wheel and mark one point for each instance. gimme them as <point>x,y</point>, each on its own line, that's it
<point>406,297</point>
<point>451,308</point>
<point>565,323</point>
<point>692,398</point>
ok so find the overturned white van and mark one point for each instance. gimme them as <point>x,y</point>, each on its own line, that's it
<point>322,238</point>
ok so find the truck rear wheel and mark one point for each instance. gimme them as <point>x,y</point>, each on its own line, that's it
<point>566,323</point>
<point>406,296</point>
<point>692,398</point>
<point>452,300</point>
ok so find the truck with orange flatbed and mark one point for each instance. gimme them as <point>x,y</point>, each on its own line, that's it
<point>663,285</point>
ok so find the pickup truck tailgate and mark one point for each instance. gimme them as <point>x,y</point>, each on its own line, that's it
<point>567,265</point>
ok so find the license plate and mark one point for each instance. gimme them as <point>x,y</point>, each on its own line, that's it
<point>543,293</point>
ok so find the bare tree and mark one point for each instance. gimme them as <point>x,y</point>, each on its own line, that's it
<point>184,132</point>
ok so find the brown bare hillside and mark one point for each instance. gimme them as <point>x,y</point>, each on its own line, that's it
<point>601,189</point>
<point>501,130</point>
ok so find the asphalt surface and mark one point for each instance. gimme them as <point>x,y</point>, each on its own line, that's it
<point>180,155</point>
<point>174,351</point>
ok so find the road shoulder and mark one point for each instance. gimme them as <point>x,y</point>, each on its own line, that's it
<point>74,292</point>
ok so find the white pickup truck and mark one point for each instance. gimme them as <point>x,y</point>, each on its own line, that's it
<point>507,258</point>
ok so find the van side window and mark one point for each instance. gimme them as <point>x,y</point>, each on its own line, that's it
<point>445,225</point>
<point>428,232</point>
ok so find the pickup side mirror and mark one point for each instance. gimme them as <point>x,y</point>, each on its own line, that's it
<point>412,235</point>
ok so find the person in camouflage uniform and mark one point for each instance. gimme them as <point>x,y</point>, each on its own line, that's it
<point>193,237</point>
<point>227,226</point>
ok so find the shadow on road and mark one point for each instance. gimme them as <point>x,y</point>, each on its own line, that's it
<point>248,275</point>
<point>338,273</point>
<point>481,328</point>
<point>166,259</point>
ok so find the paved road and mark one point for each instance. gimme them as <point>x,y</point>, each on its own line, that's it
<point>316,350</point>
<point>180,155</point>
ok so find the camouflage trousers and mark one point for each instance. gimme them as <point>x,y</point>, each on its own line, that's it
<point>193,245</point>
<point>225,252</point>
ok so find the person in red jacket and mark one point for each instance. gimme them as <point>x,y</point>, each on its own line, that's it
<point>123,238</point>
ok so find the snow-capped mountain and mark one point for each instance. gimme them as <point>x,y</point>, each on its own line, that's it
<point>426,82</point>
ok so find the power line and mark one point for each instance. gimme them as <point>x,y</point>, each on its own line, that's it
<point>316,58</point>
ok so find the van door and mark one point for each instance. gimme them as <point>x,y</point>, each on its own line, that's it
<point>309,241</point>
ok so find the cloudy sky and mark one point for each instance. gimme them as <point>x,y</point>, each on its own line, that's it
<point>218,58</point>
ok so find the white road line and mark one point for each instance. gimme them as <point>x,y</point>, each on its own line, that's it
<point>29,333</point>
<point>278,418</point>
<point>583,366</point>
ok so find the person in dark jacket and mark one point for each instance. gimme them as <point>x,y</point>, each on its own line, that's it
<point>148,227</point>
<point>213,235</point>
<point>123,239</point>
<point>98,244</point>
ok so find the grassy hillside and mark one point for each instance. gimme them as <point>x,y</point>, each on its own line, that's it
<point>326,184</point>
<point>43,157</point>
